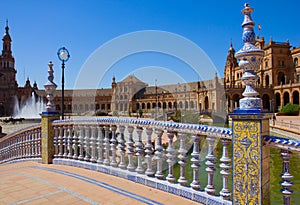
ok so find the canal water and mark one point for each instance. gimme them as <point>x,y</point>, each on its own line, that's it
<point>275,172</point>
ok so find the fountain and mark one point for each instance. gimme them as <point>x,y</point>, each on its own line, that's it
<point>31,109</point>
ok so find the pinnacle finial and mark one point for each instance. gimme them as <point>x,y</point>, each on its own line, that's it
<point>50,88</point>
<point>230,47</point>
<point>6,27</point>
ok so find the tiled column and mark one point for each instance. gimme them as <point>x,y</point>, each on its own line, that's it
<point>47,136</point>
<point>251,159</point>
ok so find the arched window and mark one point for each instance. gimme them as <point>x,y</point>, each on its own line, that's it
<point>236,101</point>
<point>267,80</point>
<point>192,105</point>
<point>175,105</point>
<point>281,78</point>
<point>266,101</point>
<point>296,97</point>
<point>296,62</point>
<point>277,101</point>
<point>286,98</point>
<point>164,105</point>
<point>180,104</point>
<point>206,105</point>
<point>153,105</point>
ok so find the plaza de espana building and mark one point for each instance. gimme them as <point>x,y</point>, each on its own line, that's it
<point>278,84</point>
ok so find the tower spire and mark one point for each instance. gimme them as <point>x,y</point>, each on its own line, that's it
<point>6,28</point>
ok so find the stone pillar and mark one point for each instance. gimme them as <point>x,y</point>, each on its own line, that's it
<point>47,117</point>
<point>251,159</point>
<point>47,136</point>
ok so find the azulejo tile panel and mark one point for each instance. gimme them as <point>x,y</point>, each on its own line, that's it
<point>247,162</point>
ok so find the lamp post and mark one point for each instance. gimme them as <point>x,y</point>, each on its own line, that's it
<point>163,101</point>
<point>63,56</point>
<point>184,88</point>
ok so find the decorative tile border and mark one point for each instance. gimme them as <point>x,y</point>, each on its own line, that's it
<point>38,159</point>
<point>109,187</point>
<point>183,127</point>
<point>283,143</point>
<point>176,189</point>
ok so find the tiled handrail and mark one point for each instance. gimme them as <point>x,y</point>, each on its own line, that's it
<point>180,127</point>
<point>287,146</point>
<point>127,146</point>
<point>119,144</point>
<point>24,143</point>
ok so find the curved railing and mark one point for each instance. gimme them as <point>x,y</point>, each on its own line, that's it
<point>21,144</point>
<point>145,151</point>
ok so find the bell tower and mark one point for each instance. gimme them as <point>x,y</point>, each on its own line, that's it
<point>8,83</point>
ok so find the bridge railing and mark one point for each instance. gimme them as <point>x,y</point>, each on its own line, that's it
<point>286,125</point>
<point>21,144</point>
<point>145,151</point>
<point>287,148</point>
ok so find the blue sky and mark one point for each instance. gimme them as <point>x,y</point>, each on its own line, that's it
<point>39,28</point>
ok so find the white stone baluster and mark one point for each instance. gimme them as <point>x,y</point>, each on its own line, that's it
<point>93,144</point>
<point>170,157</point>
<point>10,149</point>
<point>130,149</point>
<point>23,145</point>
<point>182,159</point>
<point>113,145</point>
<point>20,146</point>
<point>87,143</point>
<point>106,145</point>
<point>210,163</point>
<point>195,163</point>
<point>225,166</point>
<point>32,153</point>
<point>286,177</point>
<point>159,150</point>
<point>75,142</point>
<point>28,134</point>
<point>55,141</point>
<point>70,141</point>
<point>65,141</point>
<point>122,147</point>
<point>100,144</point>
<point>37,141</point>
<point>139,150</point>
<point>149,151</point>
<point>40,142</point>
<point>17,148</point>
<point>81,142</point>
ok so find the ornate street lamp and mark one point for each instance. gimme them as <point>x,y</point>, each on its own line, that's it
<point>63,56</point>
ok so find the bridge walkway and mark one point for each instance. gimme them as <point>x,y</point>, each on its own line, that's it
<point>35,183</point>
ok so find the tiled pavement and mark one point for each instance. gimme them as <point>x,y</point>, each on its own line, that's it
<point>34,183</point>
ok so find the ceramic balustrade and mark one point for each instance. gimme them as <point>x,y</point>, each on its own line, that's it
<point>145,147</point>
<point>287,147</point>
<point>22,144</point>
